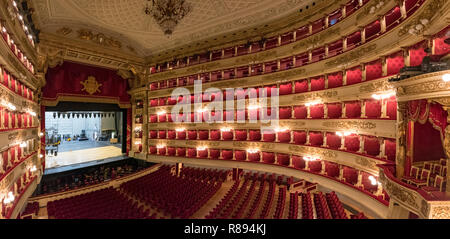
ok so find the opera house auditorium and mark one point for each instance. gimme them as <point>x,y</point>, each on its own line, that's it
<point>193,109</point>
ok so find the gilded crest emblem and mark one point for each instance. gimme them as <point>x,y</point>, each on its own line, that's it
<point>91,85</point>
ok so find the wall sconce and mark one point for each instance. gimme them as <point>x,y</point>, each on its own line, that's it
<point>280,130</point>
<point>137,143</point>
<point>373,181</point>
<point>310,158</point>
<point>201,110</point>
<point>9,198</point>
<point>253,107</point>
<point>201,148</point>
<point>33,169</point>
<point>252,151</point>
<point>383,96</point>
<point>312,103</point>
<point>23,145</point>
<point>225,129</point>
<point>160,146</point>
<point>180,129</point>
<point>446,77</point>
<point>345,133</point>
<point>162,112</point>
<point>41,134</point>
<point>41,156</point>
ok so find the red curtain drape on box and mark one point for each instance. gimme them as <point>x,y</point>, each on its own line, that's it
<point>43,138</point>
<point>128,130</point>
<point>426,131</point>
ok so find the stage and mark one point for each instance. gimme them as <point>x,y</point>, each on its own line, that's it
<point>75,154</point>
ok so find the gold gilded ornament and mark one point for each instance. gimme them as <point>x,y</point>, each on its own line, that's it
<point>91,85</point>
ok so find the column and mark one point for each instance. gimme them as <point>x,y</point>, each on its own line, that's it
<point>344,11</point>
<point>310,28</point>
<point>342,143</point>
<point>309,84</point>
<point>325,111</point>
<point>384,65</point>
<point>310,56</point>
<point>344,44</point>
<point>210,56</point>
<point>364,72</point>
<point>383,23</point>
<point>324,139</point>
<point>403,9</point>
<point>294,61</point>
<point>250,49</point>
<point>264,68</point>
<point>327,21</point>
<point>294,36</point>
<point>326,50</point>
<point>279,40</point>
<point>344,77</point>
<point>344,113</point>
<point>341,172</point>
<point>307,138</point>
<point>402,123</point>
<point>291,163</point>
<point>379,190</point>
<point>235,51</point>
<point>363,35</point>
<point>278,64</point>
<point>308,110</point>
<point>306,165</point>
<point>361,144</point>
<point>382,148</point>
<point>363,109</point>
<point>223,53</point>
<point>384,108</point>
<point>359,183</point>
<point>406,56</point>
<point>323,167</point>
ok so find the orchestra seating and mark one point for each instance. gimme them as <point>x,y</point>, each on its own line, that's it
<point>102,204</point>
<point>176,197</point>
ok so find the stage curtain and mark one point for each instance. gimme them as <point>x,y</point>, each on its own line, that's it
<point>335,80</point>
<point>128,140</point>
<point>334,110</point>
<point>65,80</point>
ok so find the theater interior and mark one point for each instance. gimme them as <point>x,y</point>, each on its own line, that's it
<point>231,109</point>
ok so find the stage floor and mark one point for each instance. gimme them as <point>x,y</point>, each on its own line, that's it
<point>76,153</point>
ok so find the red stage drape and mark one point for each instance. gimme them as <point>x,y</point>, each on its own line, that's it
<point>65,80</point>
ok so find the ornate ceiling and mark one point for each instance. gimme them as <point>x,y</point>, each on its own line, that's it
<point>122,23</point>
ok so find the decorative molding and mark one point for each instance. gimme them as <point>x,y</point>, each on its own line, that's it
<point>351,56</point>
<point>354,124</point>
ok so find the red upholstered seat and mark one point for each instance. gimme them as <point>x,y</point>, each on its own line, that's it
<point>192,153</point>
<point>286,89</point>
<point>255,157</point>
<point>240,155</point>
<point>301,86</point>
<point>254,135</point>
<point>241,135</point>
<point>203,134</point>
<point>284,137</point>
<point>298,162</point>
<point>285,113</point>
<point>333,141</point>
<point>269,136</point>
<point>214,153</point>
<point>181,152</point>
<point>315,139</point>
<point>268,157</point>
<point>171,134</point>
<point>153,150</point>
<point>161,134</point>
<point>171,151</point>
<point>227,135</point>
<point>227,154</point>
<point>300,112</point>
<point>192,134</point>
<point>214,135</point>
<point>283,159</point>
<point>153,134</point>
<point>300,137</point>
<point>352,143</point>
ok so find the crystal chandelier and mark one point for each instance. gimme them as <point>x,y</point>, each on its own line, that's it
<point>167,13</point>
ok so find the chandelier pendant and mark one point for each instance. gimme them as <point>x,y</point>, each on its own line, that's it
<point>168,13</point>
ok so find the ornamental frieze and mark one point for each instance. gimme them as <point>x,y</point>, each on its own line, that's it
<point>256,58</point>
<point>316,40</point>
<point>203,68</point>
<point>394,190</point>
<point>368,9</point>
<point>315,95</point>
<point>367,163</point>
<point>353,55</point>
<point>253,144</point>
<point>284,74</point>
<point>354,124</point>
<point>376,86</point>
<point>440,212</point>
<point>420,23</point>
<point>421,88</point>
<point>314,151</point>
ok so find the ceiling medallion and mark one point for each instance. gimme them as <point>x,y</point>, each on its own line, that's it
<point>168,13</point>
